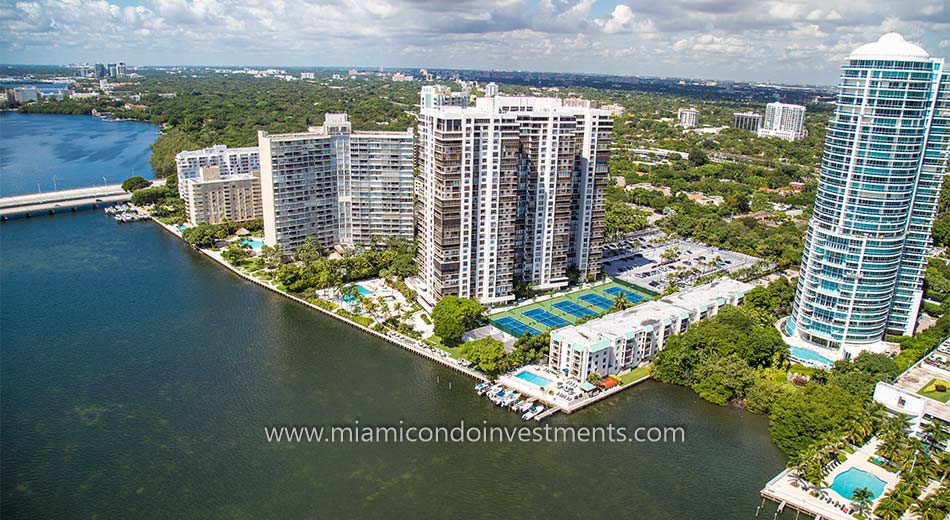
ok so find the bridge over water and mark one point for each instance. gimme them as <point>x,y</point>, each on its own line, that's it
<point>62,201</point>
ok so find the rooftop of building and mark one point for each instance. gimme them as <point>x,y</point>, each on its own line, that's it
<point>703,294</point>
<point>918,380</point>
<point>516,105</point>
<point>889,46</point>
<point>592,335</point>
<point>218,148</point>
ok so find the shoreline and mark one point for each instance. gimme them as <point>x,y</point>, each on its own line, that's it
<point>410,345</point>
<point>400,342</point>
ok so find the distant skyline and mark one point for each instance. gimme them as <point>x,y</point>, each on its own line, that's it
<point>802,42</point>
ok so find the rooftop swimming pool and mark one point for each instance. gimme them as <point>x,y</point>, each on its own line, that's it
<point>852,479</point>
<point>809,356</point>
<point>533,378</point>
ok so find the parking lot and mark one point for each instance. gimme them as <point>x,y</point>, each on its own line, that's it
<point>654,260</point>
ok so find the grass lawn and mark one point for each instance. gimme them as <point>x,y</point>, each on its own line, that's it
<point>635,374</point>
<point>435,341</point>
<point>547,305</point>
<point>930,390</point>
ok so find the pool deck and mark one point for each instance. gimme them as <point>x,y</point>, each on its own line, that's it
<point>552,401</point>
<point>784,490</point>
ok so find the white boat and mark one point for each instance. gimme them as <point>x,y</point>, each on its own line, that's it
<point>510,398</point>
<point>532,413</point>
<point>515,405</point>
<point>526,405</point>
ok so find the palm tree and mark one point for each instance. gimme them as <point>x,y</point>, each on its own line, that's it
<point>620,303</point>
<point>928,508</point>
<point>862,499</point>
<point>800,467</point>
<point>891,447</point>
<point>936,433</point>
<point>897,423</point>
<point>890,508</point>
<point>942,469</point>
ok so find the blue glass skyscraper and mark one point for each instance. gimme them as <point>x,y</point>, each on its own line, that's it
<point>868,240</point>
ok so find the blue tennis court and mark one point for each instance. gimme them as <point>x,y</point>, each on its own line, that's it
<point>597,301</point>
<point>545,318</point>
<point>573,308</point>
<point>515,327</point>
<point>631,296</point>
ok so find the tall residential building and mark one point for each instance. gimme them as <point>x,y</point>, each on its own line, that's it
<point>884,160</point>
<point>336,185</point>
<point>101,71</point>
<point>688,117</point>
<point>214,199</point>
<point>747,121</point>
<point>230,161</point>
<point>120,70</point>
<point>510,192</point>
<point>783,121</point>
<point>432,96</point>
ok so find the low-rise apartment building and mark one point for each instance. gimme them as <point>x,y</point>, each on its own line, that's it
<point>625,339</point>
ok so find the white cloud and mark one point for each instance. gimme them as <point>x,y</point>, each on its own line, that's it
<point>791,40</point>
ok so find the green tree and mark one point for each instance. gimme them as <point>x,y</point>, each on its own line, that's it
<point>236,252</point>
<point>798,419</point>
<point>485,354</point>
<point>147,196</point>
<point>697,157</point>
<point>135,183</point>
<point>452,316</point>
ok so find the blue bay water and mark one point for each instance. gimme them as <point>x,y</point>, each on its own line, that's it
<point>136,377</point>
<point>75,150</point>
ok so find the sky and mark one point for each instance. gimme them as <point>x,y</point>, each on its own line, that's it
<point>789,41</point>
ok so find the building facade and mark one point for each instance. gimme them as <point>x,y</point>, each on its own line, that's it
<point>335,185</point>
<point>625,339</point>
<point>867,243</point>
<point>230,161</point>
<point>688,117</point>
<point>747,121</point>
<point>510,192</point>
<point>783,121</point>
<point>213,199</point>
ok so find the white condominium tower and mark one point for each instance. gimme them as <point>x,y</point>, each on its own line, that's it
<point>783,121</point>
<point>688,117</point>
<point>747,121</point>
<point>230,161</point>
<point>868,240</point>
<point>509,192</point>
<point>336,185</point>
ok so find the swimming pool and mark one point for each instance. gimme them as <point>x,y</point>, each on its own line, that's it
<point>852,479</point>
<point>254,244</point>
<point>533,378</point>
<point>809,357</point>
<point>360,289</point>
